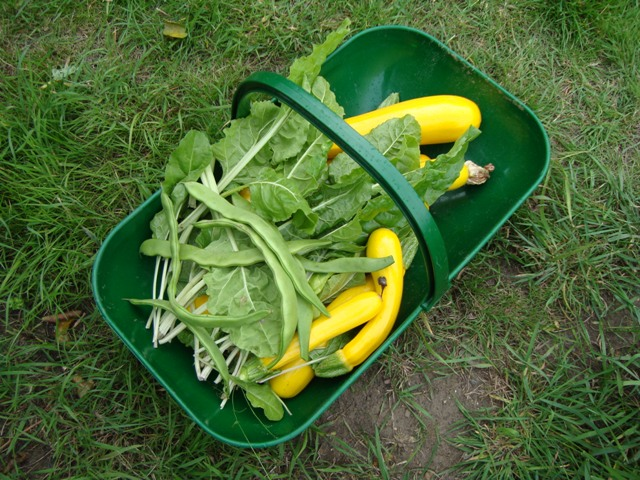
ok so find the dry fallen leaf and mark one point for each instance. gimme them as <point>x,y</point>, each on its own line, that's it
<point>174,29</point>
<point>64,321</point>
<point>82,386</point>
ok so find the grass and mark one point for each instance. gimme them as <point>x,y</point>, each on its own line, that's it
<point>582,408</point>
<point>93,99</point>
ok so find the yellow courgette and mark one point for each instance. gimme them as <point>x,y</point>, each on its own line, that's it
<point>298,374</point>
<point>389,283</point>
<point>345,317</point>
<point>291,383</point>
<point>348,294</point>
<point>442,118</point>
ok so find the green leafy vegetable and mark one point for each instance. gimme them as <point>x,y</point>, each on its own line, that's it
<point>261,396</point>
<point>434,178</point>
<point>289,139</point>
<point>391,99</point>
<point>336,203</point>
<point>187,161</point>
<point>238,291</point>
<point>276,198</point>
<point>398,140</point>
<point>309,67</point>
<point>244,139</point>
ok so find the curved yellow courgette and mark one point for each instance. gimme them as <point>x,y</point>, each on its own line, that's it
<point>389,283</point>
<point>291,383</point>
<point>442,118</point>
<point>345,317</point>
<point>348,294</point>
<point>299,374</point>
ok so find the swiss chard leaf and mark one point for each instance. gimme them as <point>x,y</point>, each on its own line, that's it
<point>289,139</point>
<point>321,89</point>
<point>433,180</point>
<point>277,199</point>
<point>398,139</point>
<point>336,283</point>
<point>344,170</point>
<point>335,204</point>
<point>159,225</point>
<point>391,99</point>
<point>243,134</point>
<point>244,290</point>
<point>349,232</point>
<point>244,141</point>
<point>188,160</point>
<point>309,168</point>
<point>430,182</point>
<point>260,395</point>
<point>309,67</point>
<point>221,240</point>
<point>381,211</point>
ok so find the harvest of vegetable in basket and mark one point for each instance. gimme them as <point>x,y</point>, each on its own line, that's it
<point>278,258</point>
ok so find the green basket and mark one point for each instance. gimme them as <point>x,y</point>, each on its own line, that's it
<point>362,72</point>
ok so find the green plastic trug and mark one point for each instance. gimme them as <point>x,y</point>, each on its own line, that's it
<point>362,72</point>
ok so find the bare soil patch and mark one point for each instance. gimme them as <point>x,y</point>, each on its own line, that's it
<point>413,430</point>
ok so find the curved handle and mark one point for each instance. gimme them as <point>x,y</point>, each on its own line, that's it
<point>367,156</point>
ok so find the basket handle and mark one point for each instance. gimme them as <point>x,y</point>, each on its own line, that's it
<point>368,157</point>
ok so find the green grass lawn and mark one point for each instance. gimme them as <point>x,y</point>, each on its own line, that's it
<point>528,367</point>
